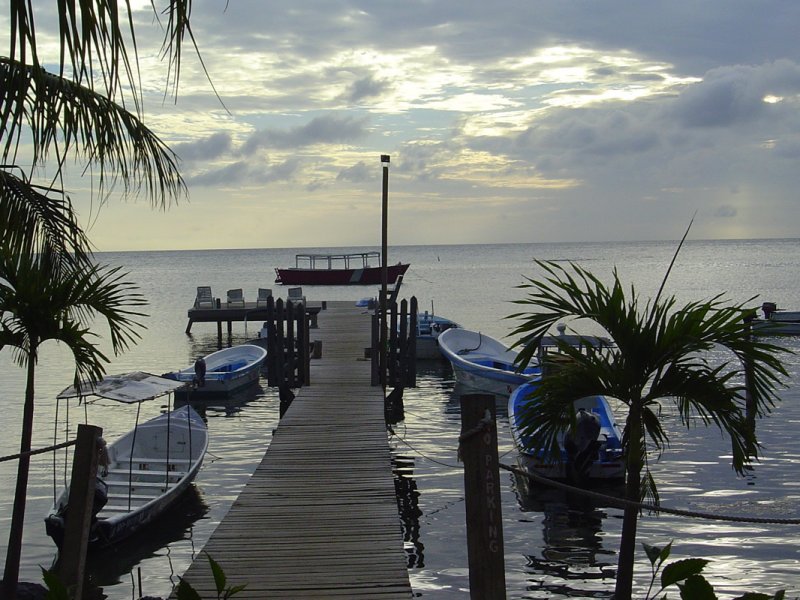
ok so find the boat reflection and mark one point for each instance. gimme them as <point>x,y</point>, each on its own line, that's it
<point>572,532</point>
<point>229,404</point>
<point>175,526</point>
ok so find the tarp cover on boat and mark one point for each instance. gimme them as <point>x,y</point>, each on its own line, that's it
<point>127,387</point>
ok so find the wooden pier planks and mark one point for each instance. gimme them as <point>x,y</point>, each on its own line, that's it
<point>319,517</point>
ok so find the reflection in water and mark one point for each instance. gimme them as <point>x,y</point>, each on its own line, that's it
<point>230,404</point>
<point>408,505</point>
<point>572,541</point>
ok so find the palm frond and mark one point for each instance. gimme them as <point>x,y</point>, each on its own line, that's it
<point>35,220</point>
<point>63,117</point>
<point>39,303</point>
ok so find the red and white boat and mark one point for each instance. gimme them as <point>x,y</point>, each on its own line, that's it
<point>360,268</point>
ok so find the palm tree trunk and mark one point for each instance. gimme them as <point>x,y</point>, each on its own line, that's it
<point>14,553</point>
<point>630,519</point>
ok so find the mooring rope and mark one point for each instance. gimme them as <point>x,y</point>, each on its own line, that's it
<point>642,505</point>
<point>487,423</point>
<point>38,451</point>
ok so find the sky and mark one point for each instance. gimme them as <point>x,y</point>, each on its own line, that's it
<point>527,121</point>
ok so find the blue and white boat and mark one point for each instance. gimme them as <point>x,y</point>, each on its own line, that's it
<point>483,363</point>
<point>594,451</point>
<point>222,372</point>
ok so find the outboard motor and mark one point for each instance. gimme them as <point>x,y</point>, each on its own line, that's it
<point>582,445</point>
<point>769,308</point>
<point>200,371</point>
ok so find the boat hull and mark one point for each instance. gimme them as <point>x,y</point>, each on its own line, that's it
<point>149,469</point>
<point>483,363</point>
<point>362,276</point>
<point>775,327</point>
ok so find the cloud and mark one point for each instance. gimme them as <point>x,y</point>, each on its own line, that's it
<point>246,174</point>
<point>365,88</point>
<point>725,211</point>
<point>358,173</point>
<point>329,129</point>
<point>737,94</point>
<point>209,148</point>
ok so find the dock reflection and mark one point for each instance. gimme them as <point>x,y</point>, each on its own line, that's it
<point>408,506</point>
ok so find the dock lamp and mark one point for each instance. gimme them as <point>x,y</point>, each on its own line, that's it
<point>384,269</point>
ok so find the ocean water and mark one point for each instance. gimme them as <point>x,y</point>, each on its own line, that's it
<point>556,546</point>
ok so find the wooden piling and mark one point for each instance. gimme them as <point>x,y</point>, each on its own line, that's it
<point>478,446</point>
<point>81,499</point>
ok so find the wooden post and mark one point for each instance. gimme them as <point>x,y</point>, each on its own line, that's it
<point>750,405</point>
<point>411,374</point>
<point>478,444</point>
<point>375,352</point>
<point>81,499</point>
<point>394,346</point>
<point>291,347</point>
<point>384,268</point>
<point>402,344</point>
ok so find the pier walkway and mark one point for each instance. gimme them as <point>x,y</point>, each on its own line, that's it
<point>319,517</point>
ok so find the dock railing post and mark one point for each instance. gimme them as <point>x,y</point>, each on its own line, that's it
<point>478,450</point>
<point>411,374</point>
<point>374,351</point>
<point>81,500</point>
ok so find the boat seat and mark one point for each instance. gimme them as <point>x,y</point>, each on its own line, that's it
<point>136,484</point>
<point>146,472</point>
<point>113,508</point>
<point>125,462</point>
<point>124,496</point>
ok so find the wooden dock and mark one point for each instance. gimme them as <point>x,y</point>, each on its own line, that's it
<point>319,517</point>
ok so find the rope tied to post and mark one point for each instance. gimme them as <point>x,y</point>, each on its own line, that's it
<point>485,424</point>
<point>37,451</point>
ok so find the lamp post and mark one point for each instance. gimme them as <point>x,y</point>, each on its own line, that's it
<point>384,269</point>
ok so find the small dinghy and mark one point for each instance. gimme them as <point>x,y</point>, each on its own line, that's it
<point>148,468</point>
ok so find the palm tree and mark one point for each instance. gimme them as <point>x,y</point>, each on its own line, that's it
<point>661,352</point>
<point>41,299</point>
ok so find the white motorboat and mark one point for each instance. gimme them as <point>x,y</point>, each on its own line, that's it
<point>222,372</point>
<point>147,469</point>
<point>776,321</point>
<point>483,363</point>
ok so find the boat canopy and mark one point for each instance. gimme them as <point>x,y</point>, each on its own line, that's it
<point>127,387</point>
<point>359,260</point>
